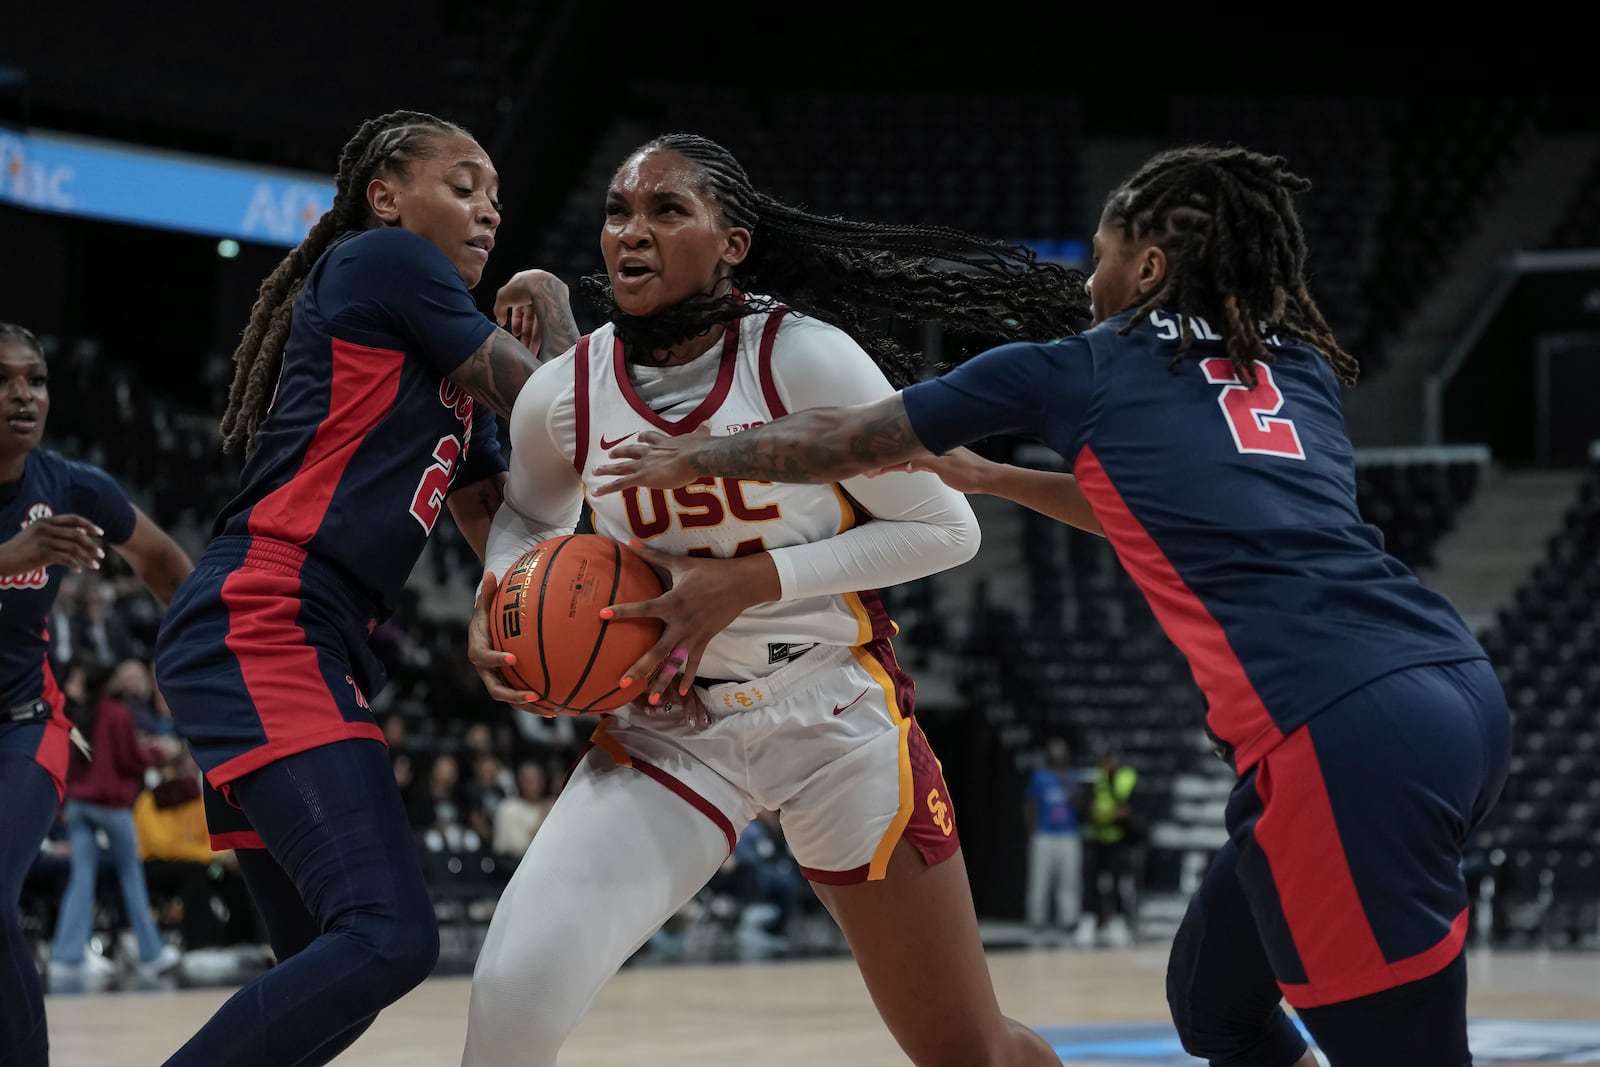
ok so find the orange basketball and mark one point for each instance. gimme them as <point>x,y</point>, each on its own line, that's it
<point>547,614</point>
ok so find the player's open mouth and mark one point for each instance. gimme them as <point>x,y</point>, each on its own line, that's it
<point>631,275</point>
<point>482,243</point>
<point>23,423</point>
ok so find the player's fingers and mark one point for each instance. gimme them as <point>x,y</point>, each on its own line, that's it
<point>672,667</point>
<point>691,670</point>
<point>658,608</point>
<point>644,667</point>
<point>626,450</point>
<point>69,549</point>
<point>70,520</point>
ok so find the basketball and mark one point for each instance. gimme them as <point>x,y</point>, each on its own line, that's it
<point>547,614</point>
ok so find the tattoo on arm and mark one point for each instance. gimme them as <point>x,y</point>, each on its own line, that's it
<point>496,372</point>
<point>490,495</point>
<point>558,329</point>
<point>815,446</point>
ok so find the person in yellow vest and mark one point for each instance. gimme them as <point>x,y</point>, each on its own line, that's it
<point>179,863</point>
<point>1110,837</point>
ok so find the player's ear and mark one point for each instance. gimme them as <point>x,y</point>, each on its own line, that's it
<point>1152,267</point>
<point>737,246</point>
<point>383,198</point>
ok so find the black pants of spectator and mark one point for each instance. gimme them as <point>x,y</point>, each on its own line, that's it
<point>193,884</point>
<point>1112,864</point>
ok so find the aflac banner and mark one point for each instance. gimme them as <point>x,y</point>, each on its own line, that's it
<point>171,191</point>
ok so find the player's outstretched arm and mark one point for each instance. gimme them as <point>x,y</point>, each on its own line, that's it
<point>1050,493</point>
<point>816,446</point>
<point>156,558</point>
<point>496,372</point>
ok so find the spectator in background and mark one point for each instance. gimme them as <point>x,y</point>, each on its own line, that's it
<point>1113,835</point>
<point>518,819</point>
<point>491,786</point>
<point>437,804</point>
<point>170,821</point>
<point>100,796</point>
<point>1055,851</point>
<point>132,683</point>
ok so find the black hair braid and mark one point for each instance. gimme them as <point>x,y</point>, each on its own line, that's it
<point>1235,251</point>
<point>385,144</point>
<point>857,275</point>
<point>10,331</point>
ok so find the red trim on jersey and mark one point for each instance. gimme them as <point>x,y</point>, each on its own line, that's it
<point>713,400</point>
<point>366,382</point>
<point>1424,964</point>
<point>580,403</point>
<point>1299,835</point>
<point>55,746</point>
<point>696,801</point>
<point>236,839</point>
<point>281,671</point>
<point>1237,714</point>
<point>769,387</point>
<point>854,876</point>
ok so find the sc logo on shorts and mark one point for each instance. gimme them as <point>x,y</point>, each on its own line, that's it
<point>940,812</point>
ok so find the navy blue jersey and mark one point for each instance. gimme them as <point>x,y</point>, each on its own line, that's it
<point>1233,509</point>
<point>50,485</point>
<point>367,434</point>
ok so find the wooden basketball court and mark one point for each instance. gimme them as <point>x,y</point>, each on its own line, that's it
<point>781,1014</point>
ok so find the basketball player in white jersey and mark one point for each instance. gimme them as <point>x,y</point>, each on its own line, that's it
<point>770,617</point>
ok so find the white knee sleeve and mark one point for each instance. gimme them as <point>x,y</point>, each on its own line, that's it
<point>617,856</point>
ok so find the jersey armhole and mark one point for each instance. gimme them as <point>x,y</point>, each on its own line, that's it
<point>580,405</point>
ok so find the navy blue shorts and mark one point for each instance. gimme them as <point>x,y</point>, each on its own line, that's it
<point>263,653</point>
<point>1349,832</point>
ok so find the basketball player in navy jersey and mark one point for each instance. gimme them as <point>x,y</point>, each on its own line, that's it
<point>1201,416</point>
<point>364,392</point>
<point>54,515</point>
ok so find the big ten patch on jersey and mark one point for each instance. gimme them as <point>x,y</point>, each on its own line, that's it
<point>448,453</point>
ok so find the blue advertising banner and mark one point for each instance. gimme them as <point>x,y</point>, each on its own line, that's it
<point>172,191</point>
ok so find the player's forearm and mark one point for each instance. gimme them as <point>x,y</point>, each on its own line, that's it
<point>512,533</point>
<point>815,446</point>
<point>1050,493</point>
<point>473,508</point>
<point>874,555</point>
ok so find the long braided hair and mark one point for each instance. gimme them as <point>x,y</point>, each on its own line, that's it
<point>1236,254</point>
<point>855,275</point>
<point>383,145</point>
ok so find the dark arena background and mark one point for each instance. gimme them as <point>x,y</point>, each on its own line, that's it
<point>156,163</point>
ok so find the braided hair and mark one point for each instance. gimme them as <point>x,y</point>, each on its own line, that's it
<point>383,145</point>
<point>855,275</point>
<point>10,331</point>
<point>1225,217</point>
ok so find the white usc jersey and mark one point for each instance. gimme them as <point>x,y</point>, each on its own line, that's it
<point>722,517</point>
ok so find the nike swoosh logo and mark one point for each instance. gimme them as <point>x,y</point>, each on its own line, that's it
<point>613,444</point>
<point>837,709</point>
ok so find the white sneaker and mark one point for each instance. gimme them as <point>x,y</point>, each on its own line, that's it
<point>1117,935</point>
<point>168,958</point>
<point>94,965</point>
<point>1085,935</point>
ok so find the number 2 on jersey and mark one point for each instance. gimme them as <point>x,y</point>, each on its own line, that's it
<point>435,484</point>
<point>1249,411</point>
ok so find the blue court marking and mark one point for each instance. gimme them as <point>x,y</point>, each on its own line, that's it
<point>1493,1041</point>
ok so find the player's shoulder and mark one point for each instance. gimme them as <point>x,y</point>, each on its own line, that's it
<point>800,336</point>
<point>385,248</point>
